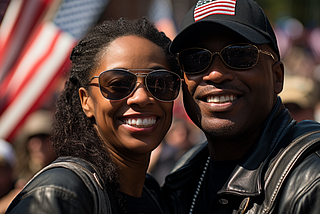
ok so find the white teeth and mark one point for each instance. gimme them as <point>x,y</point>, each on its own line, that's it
<point>145,122</point>
<point>221,99</point>
<point>216,99</point>
<point>141,122</point>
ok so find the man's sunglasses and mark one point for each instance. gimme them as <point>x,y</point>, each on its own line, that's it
<point>237,56</point>
<point>118,84</point>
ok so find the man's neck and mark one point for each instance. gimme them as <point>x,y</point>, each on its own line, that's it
<point>230,149</point>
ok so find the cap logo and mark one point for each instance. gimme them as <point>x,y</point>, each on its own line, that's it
<point>206,8</point>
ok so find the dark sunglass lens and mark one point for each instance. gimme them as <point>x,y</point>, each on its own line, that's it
<point>240,56</point>
<point>163,85</point>
<point>117,84</point>
<point>194,60</point>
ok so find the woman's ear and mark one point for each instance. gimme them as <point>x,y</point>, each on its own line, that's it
<point>278,71</point>
<point>86,102</point>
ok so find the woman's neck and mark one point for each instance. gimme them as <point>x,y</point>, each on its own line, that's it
<point>132,174</point>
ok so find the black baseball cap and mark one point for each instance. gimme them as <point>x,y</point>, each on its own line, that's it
<point>245,17</point>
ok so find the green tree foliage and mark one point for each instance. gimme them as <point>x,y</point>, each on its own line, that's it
<point>307,11</point>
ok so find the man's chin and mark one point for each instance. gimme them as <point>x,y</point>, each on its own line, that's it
<point>221,128</point>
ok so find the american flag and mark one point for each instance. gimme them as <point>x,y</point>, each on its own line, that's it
<point>161,13</point>
<point>36,37</point>
<point>206,8</point>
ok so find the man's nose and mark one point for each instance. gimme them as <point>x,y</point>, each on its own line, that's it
<point>218,71</point>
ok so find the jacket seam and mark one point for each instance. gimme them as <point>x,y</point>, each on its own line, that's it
<point>51,187</point>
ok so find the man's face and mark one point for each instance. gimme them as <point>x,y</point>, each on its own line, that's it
<point>228,103</point>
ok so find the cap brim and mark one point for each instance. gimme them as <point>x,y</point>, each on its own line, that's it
<point>190,33</point>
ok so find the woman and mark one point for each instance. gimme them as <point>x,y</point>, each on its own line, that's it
<point>115,109</point>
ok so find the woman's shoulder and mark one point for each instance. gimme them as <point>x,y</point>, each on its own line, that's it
<point>54,191</point>
<point>59,177</point>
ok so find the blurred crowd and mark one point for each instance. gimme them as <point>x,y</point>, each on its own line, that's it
<point>300,52</point>
<point>21,159</point>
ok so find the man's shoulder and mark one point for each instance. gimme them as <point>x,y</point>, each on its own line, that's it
<point>301,193</point>
<point>296,167</point>
<point>307,170</point>
<point>294,149</point>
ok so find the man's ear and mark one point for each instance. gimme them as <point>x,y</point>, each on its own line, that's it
<point>86,102</point>
<point>278,71</point>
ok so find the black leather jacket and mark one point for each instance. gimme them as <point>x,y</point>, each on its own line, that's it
<point>60,190</point>
<point>246,189</point>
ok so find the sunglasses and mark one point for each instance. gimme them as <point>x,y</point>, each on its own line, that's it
<point>237,56</point>
<point>118,84</point>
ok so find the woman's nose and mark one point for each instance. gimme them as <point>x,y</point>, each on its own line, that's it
<point>140,96</point>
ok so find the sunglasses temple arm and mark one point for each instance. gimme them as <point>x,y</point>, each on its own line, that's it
<point>267,53</point>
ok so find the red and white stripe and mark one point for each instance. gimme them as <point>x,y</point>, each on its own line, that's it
<point>39,67</point>
<point>19,21</point>
<point>223,7</point>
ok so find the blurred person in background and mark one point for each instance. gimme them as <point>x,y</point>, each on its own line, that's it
<point>7,180</point>
<point>300,95</point>
<point>33,151</point>
<point>180,138</point>
<point>33,147</point>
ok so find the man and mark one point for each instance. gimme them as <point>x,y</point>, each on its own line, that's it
<point>300,96</point>
<point>254,158</point>
<point>7,180</point>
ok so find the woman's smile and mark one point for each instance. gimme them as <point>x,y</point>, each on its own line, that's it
<point>140,122</point>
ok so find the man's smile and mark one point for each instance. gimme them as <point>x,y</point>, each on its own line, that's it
<point>221,99</point>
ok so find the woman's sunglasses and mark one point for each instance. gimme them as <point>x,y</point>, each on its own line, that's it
<point>237,56</point>
<point>118,84</point>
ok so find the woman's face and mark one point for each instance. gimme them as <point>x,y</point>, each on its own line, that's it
<point>113,117</point>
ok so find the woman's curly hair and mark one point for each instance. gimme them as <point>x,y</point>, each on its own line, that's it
<point>73,132</point>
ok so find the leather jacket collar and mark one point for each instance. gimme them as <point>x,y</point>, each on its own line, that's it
<point>251,166</point>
